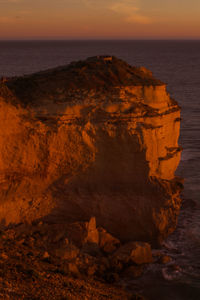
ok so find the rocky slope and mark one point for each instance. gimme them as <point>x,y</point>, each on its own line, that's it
<point>94,138</point>
<point>76,261</point>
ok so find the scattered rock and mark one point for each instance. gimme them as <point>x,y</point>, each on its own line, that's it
<point>70,268</point>
<point>103,266</point>
<point>91,270</point>
<point>116,264</point>
<point>39,259</point>
<point>91,249</point>
<point>67,252</point>
<point>107,242</point>
<point>4,256</point>
<point>135,252</point>
<point>81,233</point>
<point>164,259</point>
<point>46,255</point>
<point>92,232</point>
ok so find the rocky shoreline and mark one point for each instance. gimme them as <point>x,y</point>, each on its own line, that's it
<point>74,261</point>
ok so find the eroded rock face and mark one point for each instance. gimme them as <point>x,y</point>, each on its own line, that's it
<point>95,138</point>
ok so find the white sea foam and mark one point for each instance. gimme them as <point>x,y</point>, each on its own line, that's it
<point>169,273</point>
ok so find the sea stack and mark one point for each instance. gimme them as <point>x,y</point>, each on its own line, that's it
<point>96,138</point>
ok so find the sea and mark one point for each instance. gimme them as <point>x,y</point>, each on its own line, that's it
<point>177,63</point>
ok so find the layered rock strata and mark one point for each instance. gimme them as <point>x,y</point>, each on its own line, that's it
<point>94,138</point>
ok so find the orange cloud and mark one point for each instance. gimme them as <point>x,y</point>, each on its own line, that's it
<point>130,11</point>
<point>138,18</point>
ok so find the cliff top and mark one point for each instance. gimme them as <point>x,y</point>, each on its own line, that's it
<point>95,73</point>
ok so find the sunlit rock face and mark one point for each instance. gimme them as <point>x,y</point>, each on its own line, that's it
<point>94,138</point>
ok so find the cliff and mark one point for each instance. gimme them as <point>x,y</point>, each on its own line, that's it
<point>94,138</point>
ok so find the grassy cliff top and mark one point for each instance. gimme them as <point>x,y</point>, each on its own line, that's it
<point>102,73</point>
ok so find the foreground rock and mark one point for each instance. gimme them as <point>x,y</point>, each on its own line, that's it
<point>136,252</point>
<point>95,138</point>
<point>107,242</point>
<point>36,264</point>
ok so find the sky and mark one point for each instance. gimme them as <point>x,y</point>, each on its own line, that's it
<point>99,19</point>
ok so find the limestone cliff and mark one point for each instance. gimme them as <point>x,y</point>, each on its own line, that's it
<point>94,138</point>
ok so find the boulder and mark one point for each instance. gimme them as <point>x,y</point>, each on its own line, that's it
<point>164,259</point>
<point>81,233</point>
<point>134,252</point>
<point>107,242</point>
<point>92,232</point>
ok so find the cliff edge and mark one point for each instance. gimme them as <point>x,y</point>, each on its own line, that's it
<point>94,138</point>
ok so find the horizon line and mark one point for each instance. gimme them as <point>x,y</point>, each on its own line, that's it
<point>98,39</point>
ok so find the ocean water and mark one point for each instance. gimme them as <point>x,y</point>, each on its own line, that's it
<point>178,64</point>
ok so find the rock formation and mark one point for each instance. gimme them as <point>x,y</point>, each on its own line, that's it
<point>94,138</point>
<point>48,261</point>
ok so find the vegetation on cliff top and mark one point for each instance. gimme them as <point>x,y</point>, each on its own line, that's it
<point>96,73</point>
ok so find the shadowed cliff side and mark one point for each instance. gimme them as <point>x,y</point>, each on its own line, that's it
<point>94,138</point>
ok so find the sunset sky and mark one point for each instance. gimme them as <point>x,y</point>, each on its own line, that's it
<point>88,19</point>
